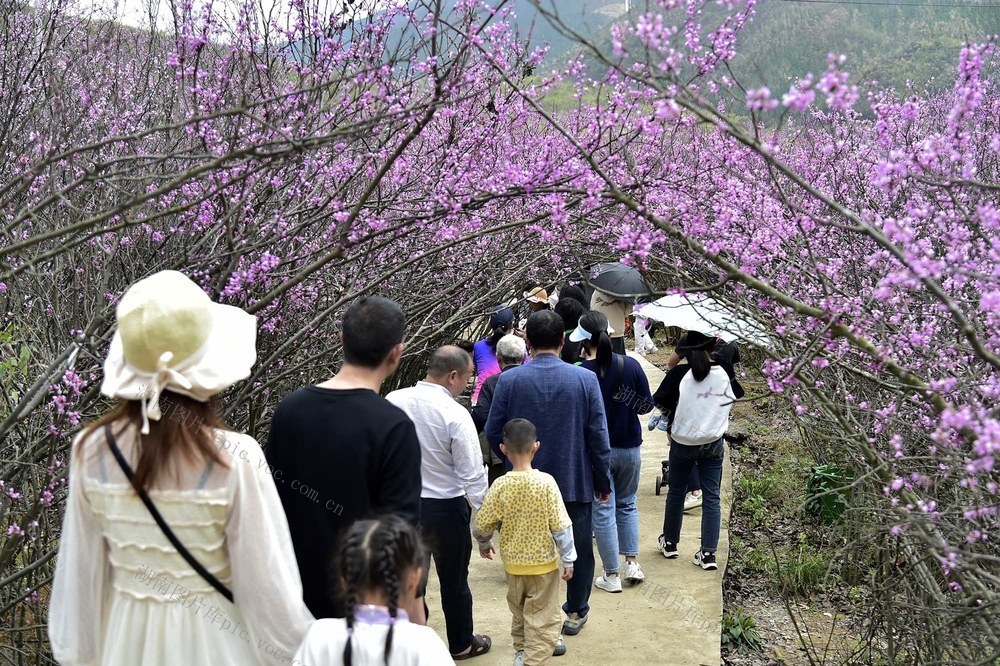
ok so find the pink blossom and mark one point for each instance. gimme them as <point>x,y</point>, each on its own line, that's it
<point>760,100</point>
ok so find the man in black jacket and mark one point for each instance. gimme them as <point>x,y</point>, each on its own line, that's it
<point>340,452</point>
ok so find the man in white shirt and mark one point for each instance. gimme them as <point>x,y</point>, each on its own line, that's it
<point>453,477</point>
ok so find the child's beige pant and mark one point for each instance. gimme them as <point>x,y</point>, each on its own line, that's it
<point>534,601</point>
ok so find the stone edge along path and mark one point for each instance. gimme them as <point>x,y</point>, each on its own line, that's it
<point>673,618</point>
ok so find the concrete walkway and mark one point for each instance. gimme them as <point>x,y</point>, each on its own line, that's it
<point>673,618</point>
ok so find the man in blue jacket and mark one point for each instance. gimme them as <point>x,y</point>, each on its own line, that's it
<point>564,403</point>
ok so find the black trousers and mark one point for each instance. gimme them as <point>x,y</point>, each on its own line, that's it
<point>579,586</point>
<point>445,528</point>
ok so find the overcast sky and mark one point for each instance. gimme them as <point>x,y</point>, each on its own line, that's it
<point>138,13</point>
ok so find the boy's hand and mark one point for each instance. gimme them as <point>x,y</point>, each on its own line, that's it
<point>567,572</point>
<point>487,553</point>
<point>602,498</point>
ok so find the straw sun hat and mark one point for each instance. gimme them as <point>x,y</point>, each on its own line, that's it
<point>536,295</point>
<point>171,336</point>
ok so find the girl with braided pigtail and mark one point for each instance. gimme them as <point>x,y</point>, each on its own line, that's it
<point>379,570</point>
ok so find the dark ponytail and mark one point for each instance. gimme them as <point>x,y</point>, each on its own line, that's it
<point>596,324</point>
<point>376,555</point>
<point>700,362</point>
<point>605,354</point>
<point>697,348</point>
<point>494,338</point>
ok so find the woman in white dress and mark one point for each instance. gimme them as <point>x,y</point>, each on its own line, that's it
<point>123,594</point>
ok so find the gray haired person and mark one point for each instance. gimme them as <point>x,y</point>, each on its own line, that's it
<point>511,352</point>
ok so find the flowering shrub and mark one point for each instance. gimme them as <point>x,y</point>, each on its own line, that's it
<point>866,238</point>
<point>291,166</point>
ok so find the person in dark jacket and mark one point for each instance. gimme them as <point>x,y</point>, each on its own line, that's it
<point>625,392</point>
<point>511,353</point>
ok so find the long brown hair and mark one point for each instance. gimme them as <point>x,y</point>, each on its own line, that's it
<point>185,429</point>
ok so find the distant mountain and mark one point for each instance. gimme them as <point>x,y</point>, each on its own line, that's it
<point>887,41</point>
<point>884,40</point>
<point>588,18</point>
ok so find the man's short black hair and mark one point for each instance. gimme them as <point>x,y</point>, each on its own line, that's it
<point>448,359</point>
<point>519,435</point>
<point>570,310</point>
<point>544,330</point>
<point>372,327</point>
<point>574,292</point>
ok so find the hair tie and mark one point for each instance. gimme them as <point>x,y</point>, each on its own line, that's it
<point>350,631</point>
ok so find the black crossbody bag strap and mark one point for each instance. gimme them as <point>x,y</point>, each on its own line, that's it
<point>169,533</point>
<point>620,366</point>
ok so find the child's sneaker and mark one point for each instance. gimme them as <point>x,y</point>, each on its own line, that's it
<point>633,573</point>
<point>560,649</point>
<point>609,582</point>
<point>654,421</point>
<point>663,425</point>
<point>668,549</point>
<point>692,501</point>
<point>705,560</point>
<point>519,658</point>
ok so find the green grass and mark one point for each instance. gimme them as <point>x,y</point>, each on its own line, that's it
<point>800,571</point>
<point>756,496</point>
<point>766,486</point>
<point>739,632</point>
<point>804,571</point>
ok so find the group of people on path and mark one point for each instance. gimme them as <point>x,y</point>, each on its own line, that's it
<point>184,543</point>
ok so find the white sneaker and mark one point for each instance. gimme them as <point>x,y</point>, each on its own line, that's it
<point>691,501</point>
<point>519,658</point>
<point>609,582</point>
<point>633,573</point>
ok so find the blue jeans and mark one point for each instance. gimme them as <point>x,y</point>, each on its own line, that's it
<point>616,524</point>
<point>707,458</point>
<point>694,483</point>
<point>579,586</point>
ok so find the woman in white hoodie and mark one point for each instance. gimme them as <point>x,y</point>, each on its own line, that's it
<point>699,396</point>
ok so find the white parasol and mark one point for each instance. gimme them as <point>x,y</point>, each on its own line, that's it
<point>697,312</point>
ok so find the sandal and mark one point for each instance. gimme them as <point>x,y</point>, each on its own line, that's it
<point>480,646</point>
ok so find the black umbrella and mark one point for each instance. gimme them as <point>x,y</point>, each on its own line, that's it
<point>619,280</point>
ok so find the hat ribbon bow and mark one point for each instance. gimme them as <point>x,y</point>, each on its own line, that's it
<point>162,378</point>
